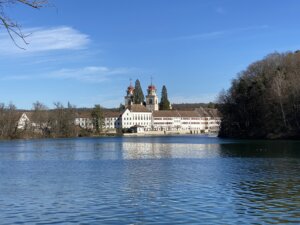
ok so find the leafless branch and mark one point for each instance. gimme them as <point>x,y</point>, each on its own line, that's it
<point>13,28</point>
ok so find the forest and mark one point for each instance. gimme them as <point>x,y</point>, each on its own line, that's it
<point>264,100</point>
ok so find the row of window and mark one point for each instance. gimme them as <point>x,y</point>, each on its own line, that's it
<point>163,118</point>
<point>111,119</point>
<point>87,124</point>
<point>182,118</point>
<point>177,128</point>
<point>132,124</point>
<point>145,117</point>
<point>162,123</point>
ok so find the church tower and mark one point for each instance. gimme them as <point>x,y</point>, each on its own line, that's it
<point>129,96</point>
<point>151,98</point>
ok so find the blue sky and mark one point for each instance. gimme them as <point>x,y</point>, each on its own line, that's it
<point>85,52</point>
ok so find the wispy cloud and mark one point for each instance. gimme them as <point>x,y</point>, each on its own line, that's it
<point>45,39</point>
<point>220,33</point>
<point>211,35</point>
<point>93,74</point>
<point>89,74</point>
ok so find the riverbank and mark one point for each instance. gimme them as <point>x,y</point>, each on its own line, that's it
<point>110,134</point>
<point>270,136</point>
<point>162,133</point>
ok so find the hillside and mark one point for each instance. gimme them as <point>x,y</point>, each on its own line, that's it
<point>264,100</point>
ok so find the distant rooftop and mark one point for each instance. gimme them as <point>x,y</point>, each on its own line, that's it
<point>137,108</point>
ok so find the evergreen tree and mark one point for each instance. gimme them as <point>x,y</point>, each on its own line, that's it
<point>98,118</point>
<point>164,102</point>
<point>138,95</point>
<point>121,107</point>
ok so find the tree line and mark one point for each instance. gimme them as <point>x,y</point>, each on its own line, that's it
<point>264,100</point>
<point>44,122</point>
<point>59,121</point>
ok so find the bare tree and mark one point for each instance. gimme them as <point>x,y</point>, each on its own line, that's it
<point>267,95</point>
<point>279,87</point>
<point>12,27</point>
<point>8,120</point>
<point>40,117</point>
<point>62,120</point>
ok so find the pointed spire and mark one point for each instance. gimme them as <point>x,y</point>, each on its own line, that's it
<point>130,88</point>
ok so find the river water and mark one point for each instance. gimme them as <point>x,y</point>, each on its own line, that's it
<point>149,180</point>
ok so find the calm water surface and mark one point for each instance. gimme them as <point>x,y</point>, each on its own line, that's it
<point>149,180</point>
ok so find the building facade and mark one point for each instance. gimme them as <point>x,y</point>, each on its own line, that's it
<point>148,117</point>
<point>136,115</point>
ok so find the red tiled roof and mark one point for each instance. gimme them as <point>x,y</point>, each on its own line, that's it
<point>208,112</point>
<point>166,113</point>
<point>137,108</point>
<point>188,114</point>
<point>83,115</point>
<point>151,87</point>
<point>175,113</point>
<point>109,114</point>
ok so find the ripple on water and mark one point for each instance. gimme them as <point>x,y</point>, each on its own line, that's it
<point>139,181</point>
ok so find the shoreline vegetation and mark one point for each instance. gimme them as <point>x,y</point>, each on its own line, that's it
<point>59,122</point>
<point>263,102</point>
<point>157,134</point>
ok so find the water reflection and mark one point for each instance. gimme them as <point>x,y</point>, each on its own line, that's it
<point>261,149</point>
<point>144,180</point>
<point>133,150</point>
<point>144,148</point>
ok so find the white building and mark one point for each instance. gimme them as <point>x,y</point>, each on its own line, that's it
<point>23,122</point>
<point>84,120</point>
<point>175,120</point>
<point>134,115</point>
<point>140,118</point>
<point>211,119</point>
<point>111,120</point>
<point>27,121</point>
